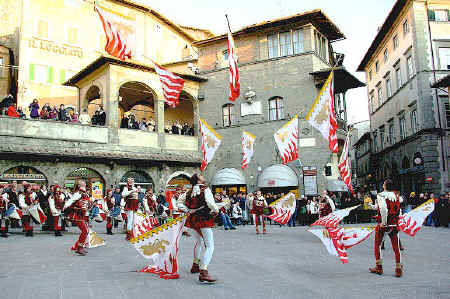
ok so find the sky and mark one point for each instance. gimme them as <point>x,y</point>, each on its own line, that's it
<point>357,19</point>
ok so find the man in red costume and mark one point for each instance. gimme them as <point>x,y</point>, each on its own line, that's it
<point>108,205</point>
<point>149,203</point>
<point>26,200</point>
<point>202,210</point>
<point>130,195</point>
<point>327,205</point>
<point>258,205</point>
<point>78,206</point>
<point>388,207</point>
<point>3,208</point>
<point>56,204</point>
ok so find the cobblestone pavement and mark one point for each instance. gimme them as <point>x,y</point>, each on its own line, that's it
<point>286,263</point>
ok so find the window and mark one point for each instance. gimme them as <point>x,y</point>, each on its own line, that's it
<point>409,62</point>
<point>391,133</point>
<point>228,115</point>
<point>297,38</point>
<point>42,29</point>
<point>321,45</point>
<point>372,102</point>
<point>41,73</point>
<point>402,125</point>
<point>398,75</point>
<point>273,45</point>
<point>444,58</point>
<point>385,55</point>
<point>395,41</point>
<point>377,66</point>
<point>375,141</point>
<point>276,109</point>
<point>225,55</point>
<point>380,95</point>
<point>414,121</point>
<point>72,36</point>
<point>447,113</point>
<point>382,137</point>
<point>285,44</point>
<point>370,75</point>
<point>441,15</point>
<point>405,27</point>
<point>66,75</point>
<point>388,86</point>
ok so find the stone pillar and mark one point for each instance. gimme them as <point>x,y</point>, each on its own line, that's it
<point>111,101</point>
<point>160,120</point>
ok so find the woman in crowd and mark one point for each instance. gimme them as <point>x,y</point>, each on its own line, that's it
<point>45,111</point>
<point>34,109</point>
<point>237,213</point>
<point>74,118</point>
<point>85,119</point>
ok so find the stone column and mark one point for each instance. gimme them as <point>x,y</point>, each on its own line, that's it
<point>160,120</point>
<point>111,101</point>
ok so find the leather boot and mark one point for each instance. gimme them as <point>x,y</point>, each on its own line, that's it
<point>81,251</point>
<point>109,231</point>
<point>58,233</point>
<point>399,270</point>
<point>378,269</point>
<point>204,277</point>
<point>195,268</point>
<point>4,234</point>
<point>257,231</point>
<point>264,231</point>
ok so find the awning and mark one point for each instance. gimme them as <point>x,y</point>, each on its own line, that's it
<point>277,176</point>
<point>336,186</point>
<point>228,176</point>
<point>343,80</point>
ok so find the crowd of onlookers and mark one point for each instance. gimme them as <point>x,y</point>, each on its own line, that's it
<point>47,112</point>
<point>130,121</point>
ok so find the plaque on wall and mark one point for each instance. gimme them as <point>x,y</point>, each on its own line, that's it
<point>254,108</point>
<point>310,180</point>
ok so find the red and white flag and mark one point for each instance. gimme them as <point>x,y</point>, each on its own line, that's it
<point>248,142</point>
<point>322,117</point>
<point>235,85</point>
<point>210,143</point>
<point>171,85</point>
<point>344,166</point>
<point>283,208</point>
<point>334,218</point>
<point>116,44</point>
<point>160,245</point>
<point>286,139</point>
<point>411,222</point>
<point>337,240</point>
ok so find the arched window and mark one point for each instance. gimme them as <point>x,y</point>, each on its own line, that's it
<point>228,115</point>
<point>276,111</point>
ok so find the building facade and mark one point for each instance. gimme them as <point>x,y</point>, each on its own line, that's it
<point>282,65</point>
<point>408,118</point>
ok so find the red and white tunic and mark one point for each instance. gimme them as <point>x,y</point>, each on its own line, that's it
<point>258,205</point>
<point>56,203</point>
<point>26,200</point>
<point>80,204</point>
<point>131,204</point>
<point>388,208</point>
<point>150,204</point>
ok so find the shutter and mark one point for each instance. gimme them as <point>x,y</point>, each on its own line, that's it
<point>431,15</point>
<point>62,76</point>
<point>50,74</point>
<point>31,72</point>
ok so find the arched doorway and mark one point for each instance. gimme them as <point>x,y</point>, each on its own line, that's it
<point>93,179</point>
<point>181,116</point>
<point>179,181</point>
<point>137,105</point>
<point>278,179</point>
<point>230,180</point>
<point>23,173</point>
<point>141,178</point>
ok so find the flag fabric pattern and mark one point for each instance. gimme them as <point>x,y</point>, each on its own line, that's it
<point>283,209</point>
<point>411,222</point>
<point>37,213</point>
<point>337,240</point>
<point>248,142</point>
<point>171,85</point>
<point>322,117</point>
<point>334,218</point>
<point>95,240</point>
<point>210,143</point>
<point>286,139</point>
<point>143,223</point>
<point>161,246</point>
<point>235,86</point>
<point>13,213</point>
<point>344,167</point>
<point>115,43</point>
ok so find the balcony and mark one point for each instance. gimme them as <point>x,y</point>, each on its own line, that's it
<point>46,137</point>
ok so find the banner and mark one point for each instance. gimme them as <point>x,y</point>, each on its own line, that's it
<point>344,166</point>
<point>286,139</point>
<point>161,246</point>
<point>95,240</point>
<point>321,116</point>
<point>334,218</point>
<point>338,240</point>
<point>411,222</point>
<point>248,142</point>
<point>210,143</point>
<point>283,209</point>
<point>143,223</point>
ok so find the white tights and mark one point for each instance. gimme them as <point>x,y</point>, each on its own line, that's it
<point>204,247</point>
<point>130,220</point>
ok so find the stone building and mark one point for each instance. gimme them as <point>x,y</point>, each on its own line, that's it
<point>282,65</point>
<point>410,132</point>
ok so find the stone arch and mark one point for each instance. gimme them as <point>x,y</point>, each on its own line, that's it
<point>90,175</point>
<point>137,100</point>
<point>27,173</point>
<point>141,178</point>
<point>92,99</point>
<point>177,174</point>
<point>185,113</point>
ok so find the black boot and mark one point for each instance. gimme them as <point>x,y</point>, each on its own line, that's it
<point>4,234</point>
<point>109,231</point>
<point>58,233</point>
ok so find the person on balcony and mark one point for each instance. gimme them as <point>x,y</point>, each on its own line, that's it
<point>101,116</point>
<point>124,121</point>
<point>85,119</point>
<point>12,112</point>
<point>175,129</point>
<point>34,109</point>
<point>62,114</point>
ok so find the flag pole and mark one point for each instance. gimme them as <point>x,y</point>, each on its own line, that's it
<point>228,22</point>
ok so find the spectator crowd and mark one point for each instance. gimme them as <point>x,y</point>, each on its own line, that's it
<point>130,121</point>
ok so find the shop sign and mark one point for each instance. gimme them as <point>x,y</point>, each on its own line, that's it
<point>22,176</point>
<point>55,48</point>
